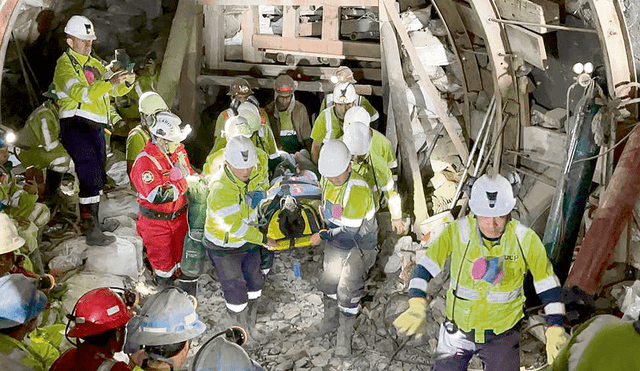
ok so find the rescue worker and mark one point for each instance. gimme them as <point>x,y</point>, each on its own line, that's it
<point>149,104</point>
<point>20,306</point>
<point>374,170</point>
<point>490,255</point>
<point>288,118</point>
<point>164,328</point>
<point>604,343</point>
<point>224,352</point>
<point>349,243</point>
<point>380,145</point>
<point>159,174</point>
<point>11,260</point>
<point>329,125</point>
<point>240,92</point>
<point>40,145</point>
<point>83,91</point>
<point>344,74</point>
<point>232,240</point>
<point>99,319</point>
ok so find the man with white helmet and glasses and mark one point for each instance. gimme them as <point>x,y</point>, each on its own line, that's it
<point>240,92</point>
<point>164,329</point>
<point>84,88</point>
<point>231,236</point>
<point>380,144</point>
<point>159,175</point>
<point>374,170</point>
<point>345,74</point>
<point>329,123</point>
<point>490,255</point>
<point>350,241</point>
<point>149,104</point>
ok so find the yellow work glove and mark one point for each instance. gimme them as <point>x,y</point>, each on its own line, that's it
<point>556,339</point>
<point>413,320</point>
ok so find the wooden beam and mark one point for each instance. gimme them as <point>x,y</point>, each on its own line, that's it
<point>425,83</point>
<point>330,23</point>
<point>529,45</point>
<point>213,35</point>
<point>190,71</point>
<point>289,22</point>
<point>322,72</point>
<point>535,11</point>
<point>250,23</point>
<point>310,45</point>
<point>314,3</point>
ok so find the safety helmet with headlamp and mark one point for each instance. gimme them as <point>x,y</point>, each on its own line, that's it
<point>166,125</point>
<point>492,196</point>
<point>81,27</point>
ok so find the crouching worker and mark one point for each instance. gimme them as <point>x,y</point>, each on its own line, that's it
<point>99,318</point>
<point>232,240</point>
<point>20,306</point>
<point>224,350</point>
<point>490,255</point>
<point>164,329</point>
<point>159,174</point>
<point>349,242</point>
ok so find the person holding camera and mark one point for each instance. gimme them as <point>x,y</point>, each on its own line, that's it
<point>490,255</point>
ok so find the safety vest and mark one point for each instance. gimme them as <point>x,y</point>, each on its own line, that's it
<point>230,221</point>
<point>474,304</point>
<point>381,146</point>
<point>81,89</point>
<point>259,181</point>
<point>136,141</point>
<point>349,205</point>
<point>327,126</point>
<point>378,176</point>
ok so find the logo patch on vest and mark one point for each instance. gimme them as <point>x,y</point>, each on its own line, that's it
<point>147,177</point>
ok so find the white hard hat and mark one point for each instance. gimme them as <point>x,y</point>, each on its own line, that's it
<point>81,27</point>
<point>240,153</point>
<point>151,102</point>
<point>166,125</point>
<point>9,238</point>
<point>252,113</point>
<point>343,74</point>
<point>356,114</point>
<point>237,125</point>
<point>357,137</point>
<point>344,93</point>
<point>334,158</point>
<point>491,196</point>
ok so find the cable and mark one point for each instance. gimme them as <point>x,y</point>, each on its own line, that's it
<point>605,152</point>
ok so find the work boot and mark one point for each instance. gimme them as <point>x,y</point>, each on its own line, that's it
<point>329,321</point>
<point>188,284</point>
<point>162,282</point>
<point>244,319</point>
<point>345,333</point>
<point>94,234</point>
<point>107,225</point>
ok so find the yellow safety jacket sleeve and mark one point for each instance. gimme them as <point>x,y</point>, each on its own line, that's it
<point>381,146</point>
<point>39,358</point>
<point>378,175</point>
<point>42,128</point>
<point>220,121</point>
<point>364,102</point>
<point>230,221</point>
<point>136,141</point>
<point>327,126</point>
<point>114,116</point>
<point>265,140</point>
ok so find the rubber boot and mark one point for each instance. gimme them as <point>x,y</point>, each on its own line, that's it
<point>162,282</point>
<point>95,237</point>
<point>188,284</point>
<point>329,321</point>
<point>244,319</point>
<point>107,225</point>
<point>345,333</point>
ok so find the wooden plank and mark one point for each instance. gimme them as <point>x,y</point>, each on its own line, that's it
<point>330,23</point>
<point>267,83</point>
<point>425,83</point>
<point>529,45</point>
<point>213,36</point>
<point>536,11</point>
<point>459,38</point>
<point>289,22</point>
<point>310,45</point>
<point>314,3</point>
<point>309,29</point>
<point>250,23</point>
<point>321,72</point>
<point>190,69</point>
<point>470,19</point>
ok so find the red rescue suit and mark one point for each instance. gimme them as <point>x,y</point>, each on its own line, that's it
<point>162,220</point>
<point>86,358</point>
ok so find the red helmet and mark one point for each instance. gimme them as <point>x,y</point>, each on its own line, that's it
<point>97,311</point>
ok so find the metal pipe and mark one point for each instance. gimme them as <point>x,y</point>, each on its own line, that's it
<point>551,26</point>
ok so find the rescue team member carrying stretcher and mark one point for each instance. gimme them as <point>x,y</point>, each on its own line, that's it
<point>490,255</point>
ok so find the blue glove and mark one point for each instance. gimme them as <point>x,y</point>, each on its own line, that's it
<point>253,198</point>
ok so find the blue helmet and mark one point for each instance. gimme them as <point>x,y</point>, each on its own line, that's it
<point>21,300</point>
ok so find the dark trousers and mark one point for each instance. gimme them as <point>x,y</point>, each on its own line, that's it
<point>84,141</point>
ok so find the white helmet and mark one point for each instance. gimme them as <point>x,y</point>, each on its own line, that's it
<point>356,114</point>
<point>344,93</point>
<point>9,238</point>
<point>237,125</point>
<point>240,153</point>
<point>343,74</point>
<point>166,125</point>
<point>252,113</point>
<point>357,137</point>
<point>81,27</point>
<point>491,196</point>
<point>334,158</point>
<point>151,102</point>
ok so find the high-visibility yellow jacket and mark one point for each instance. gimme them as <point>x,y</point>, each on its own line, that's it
<point>475,304</point>
<point>381,146</point>
<point>81,88</point>
<point>349,213</point>
<point>263,138</point>
<point>361,101</point>
<point>38,356</point>
<point>327,126</point>
<point>378,176</point>
<point>230,221</point>
<point>136,141</point>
